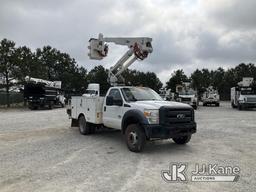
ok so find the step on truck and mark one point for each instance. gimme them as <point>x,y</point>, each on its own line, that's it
<point>243,96</point>
<point>139,112</point>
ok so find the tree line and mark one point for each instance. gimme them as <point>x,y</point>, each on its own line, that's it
<point>51,64</point>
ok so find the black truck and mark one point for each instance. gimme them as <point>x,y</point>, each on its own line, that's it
<point>38,95</point>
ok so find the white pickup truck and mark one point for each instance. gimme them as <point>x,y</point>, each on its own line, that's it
<point>139,112</point>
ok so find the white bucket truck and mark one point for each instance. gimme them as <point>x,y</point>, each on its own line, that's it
<point>185,94</point>
<point>139,112</point>
<point>211,96</point>
<point>244,94</point>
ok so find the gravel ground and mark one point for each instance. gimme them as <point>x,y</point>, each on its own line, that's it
<point>40,152</point>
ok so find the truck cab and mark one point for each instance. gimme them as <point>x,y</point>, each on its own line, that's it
<point>139,112</point>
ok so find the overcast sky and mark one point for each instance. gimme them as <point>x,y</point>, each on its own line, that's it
<point>187,34</point>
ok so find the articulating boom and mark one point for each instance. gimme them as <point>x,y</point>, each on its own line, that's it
<point>139,48</point>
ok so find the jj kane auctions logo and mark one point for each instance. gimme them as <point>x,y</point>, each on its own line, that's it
<point>201,173</point>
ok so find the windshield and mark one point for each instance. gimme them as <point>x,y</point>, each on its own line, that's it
<point>139,94</point>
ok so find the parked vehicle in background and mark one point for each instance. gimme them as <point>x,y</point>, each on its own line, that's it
<point>185,94</point>
<point>93,89</point>
<point>40,93</point>
<point>244,94</point>
<point>211,96</point>
<point>166,94</point>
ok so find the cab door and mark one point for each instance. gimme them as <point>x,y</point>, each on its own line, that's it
<point>113,114</point>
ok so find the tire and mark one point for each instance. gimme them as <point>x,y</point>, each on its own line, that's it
<point>217,104</point>
<point>84,129</point>
<point>182,140</point>
<point>240,107</point>
<point>135,138</point>
<point>204,104</point>
<point>50,105</point>
<point>32,107</point>
<point>233,105</point>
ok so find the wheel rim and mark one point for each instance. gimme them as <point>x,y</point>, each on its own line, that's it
<point>133,138</point>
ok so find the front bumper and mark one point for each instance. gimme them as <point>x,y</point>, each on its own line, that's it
<point>175,130</point>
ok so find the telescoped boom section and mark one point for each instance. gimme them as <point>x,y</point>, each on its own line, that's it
<point>138,49</point>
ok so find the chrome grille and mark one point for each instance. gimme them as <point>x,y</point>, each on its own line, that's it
<point>170,115</point>
<point>251,99</point>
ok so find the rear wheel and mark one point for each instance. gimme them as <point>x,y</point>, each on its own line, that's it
<point>182,140</point>
<point>135,138</point>
<point>84,129</point>
<point>217,104</point>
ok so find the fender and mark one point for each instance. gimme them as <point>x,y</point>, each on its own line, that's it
<point>136,116</point>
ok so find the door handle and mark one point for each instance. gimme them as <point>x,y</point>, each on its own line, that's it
<point>104,108</point>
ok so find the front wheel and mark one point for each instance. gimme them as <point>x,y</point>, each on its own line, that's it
<point>182,140</point>
<point>135,138</point>
<point>233,104</point>
<point>240,107</point>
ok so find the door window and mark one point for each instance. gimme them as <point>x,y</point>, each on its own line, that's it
<point>116,94</point>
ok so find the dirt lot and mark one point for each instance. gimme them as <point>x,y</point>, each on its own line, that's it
<point>40,152</point>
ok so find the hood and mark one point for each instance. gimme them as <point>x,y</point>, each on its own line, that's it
<point>157,104</point>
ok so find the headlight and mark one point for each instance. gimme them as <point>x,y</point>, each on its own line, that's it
<point>152,115</point>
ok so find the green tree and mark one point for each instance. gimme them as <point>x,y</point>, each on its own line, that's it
<point>99,75</point>
<point>26,63</point>
<point>177,78</point>
<point>7,67</point>
<point>137,78</point>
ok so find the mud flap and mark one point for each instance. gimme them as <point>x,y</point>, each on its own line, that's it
<point>74,123</point>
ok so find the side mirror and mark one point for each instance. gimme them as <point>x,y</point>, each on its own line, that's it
<point>109,100</point>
